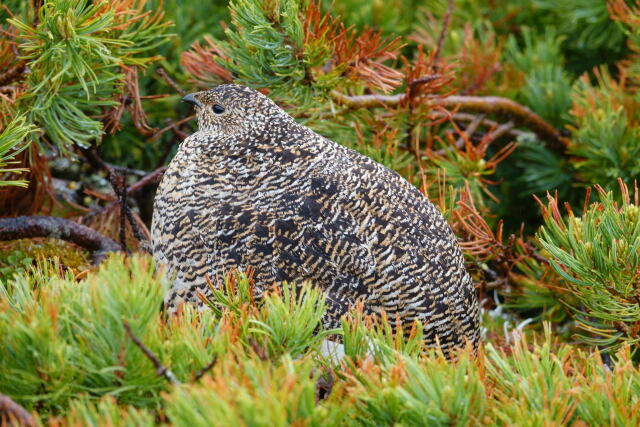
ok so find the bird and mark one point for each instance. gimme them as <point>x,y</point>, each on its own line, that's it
<point>254,188</point>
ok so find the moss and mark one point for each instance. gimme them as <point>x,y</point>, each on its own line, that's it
<point>19,255</point>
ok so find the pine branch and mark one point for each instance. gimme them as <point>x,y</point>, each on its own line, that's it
<point>368,101</point>
<point>10,411</point>
<point>502,107</point>
<point>24,227</point>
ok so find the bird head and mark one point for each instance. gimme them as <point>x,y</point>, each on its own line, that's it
<point>232,109</point>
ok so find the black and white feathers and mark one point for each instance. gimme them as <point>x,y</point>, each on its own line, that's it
<point>254,188</point>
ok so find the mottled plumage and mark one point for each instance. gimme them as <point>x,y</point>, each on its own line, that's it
<point>254,188</point>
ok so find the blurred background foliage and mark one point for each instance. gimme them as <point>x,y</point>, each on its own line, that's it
<point>519,120</point>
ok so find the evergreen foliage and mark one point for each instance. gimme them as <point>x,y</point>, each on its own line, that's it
<point>79,368</point>
<point>77,54</point>
<point>597,257</point>
<point>11,144</point>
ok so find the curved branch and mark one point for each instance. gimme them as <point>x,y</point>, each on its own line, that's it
<point>508,109</point>
<point>24,227</point>
<point>152,178</point>
<point>11,412</point>
<point>496,105</point>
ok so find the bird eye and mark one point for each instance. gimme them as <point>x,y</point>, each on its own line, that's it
<point>218,109</point>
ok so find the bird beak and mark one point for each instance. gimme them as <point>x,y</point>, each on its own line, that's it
<point>191,99</point>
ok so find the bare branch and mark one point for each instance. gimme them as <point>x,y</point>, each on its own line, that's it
<point>95,160</point>
<point>443,32</point>
<point>368,101</point>
<point>501,130</point>
<point>152,178</point>
<point>470,129</point>
<point>11,412</point>
<point>509,109</point>
<point>123,169</point>
<point>173,126</point>
<point>121,191</point>
<point>120,188</point>
<point>161,370</point>
<point>423,80</point>
<point>205,369</point>
<point>162,73</point>
<point>261,351</point>
<point>502,107</point>
<point>24,227</point>
<point>467,118</point>
<point>13,73</point>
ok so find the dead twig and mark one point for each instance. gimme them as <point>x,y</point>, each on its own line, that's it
<point>140,231</point>
<point>179,134</point>
<point>261,351</point>
<point>172,126</point>
<point>470,130</point>
<point>128,171</point>
<point>423,80</point>
<point>11,412</point>
<point>509,109</point>
<point>443,32</point>
<point>119,185</point>
<point>162,73</point>
<point>488,123</point>
<point>161,370</point>
<point>324,386</point>
<point>8,89</point>
<point>501,130</point>
<point>152,178</point>
<point>96,161</point>
<point>205,369</point>
<point>121,191</point>
<point>120,188</point>
<point>24,227</point>
<point>13,73</point>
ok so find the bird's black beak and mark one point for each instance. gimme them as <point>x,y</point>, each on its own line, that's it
<point>191,99</point>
